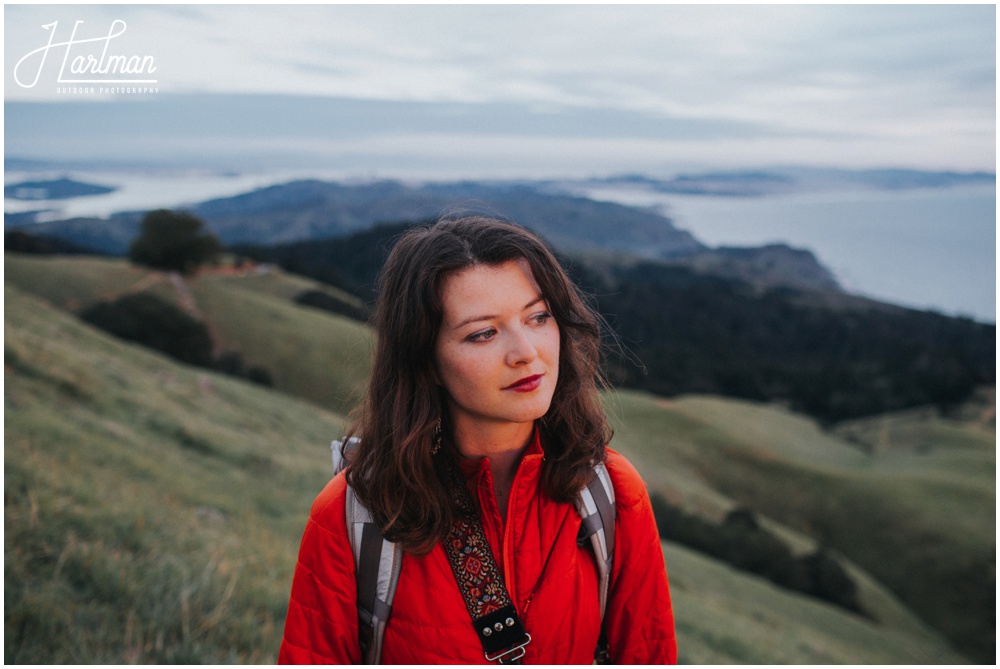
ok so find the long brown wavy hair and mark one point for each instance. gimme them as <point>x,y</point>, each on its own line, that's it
<point>392,470</point>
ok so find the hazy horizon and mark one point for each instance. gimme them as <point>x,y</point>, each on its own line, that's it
<point>475,92</point>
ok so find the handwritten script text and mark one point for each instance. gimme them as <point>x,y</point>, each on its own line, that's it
<point>86,60</point>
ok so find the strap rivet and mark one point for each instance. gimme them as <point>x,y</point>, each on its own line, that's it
<point>487,631</point>
<point>510,622</point>
<point>498,627</point>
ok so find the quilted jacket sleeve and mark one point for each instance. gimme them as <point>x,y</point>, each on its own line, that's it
<point>322,622</point>
<point>639,619</point>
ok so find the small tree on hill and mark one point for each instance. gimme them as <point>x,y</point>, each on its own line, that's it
<point>175,241</point>
<point>155,323</point>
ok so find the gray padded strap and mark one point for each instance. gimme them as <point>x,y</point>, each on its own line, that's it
<point>377,564</point>
<point>604,495</point>
<point>596,506</point>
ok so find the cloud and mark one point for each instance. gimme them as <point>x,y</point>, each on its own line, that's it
<point>889,74</point>
<point>448,140</point>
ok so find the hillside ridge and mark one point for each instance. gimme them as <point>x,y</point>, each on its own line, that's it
<point>312,209</point>
<point>195,487</point>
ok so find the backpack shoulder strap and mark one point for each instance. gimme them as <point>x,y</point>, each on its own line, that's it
<point>596,506</point>
<point>377,563</point>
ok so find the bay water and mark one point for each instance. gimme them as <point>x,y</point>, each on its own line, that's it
<point>924,248</point>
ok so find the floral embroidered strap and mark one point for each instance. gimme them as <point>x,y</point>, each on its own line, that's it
<point>493,614</point>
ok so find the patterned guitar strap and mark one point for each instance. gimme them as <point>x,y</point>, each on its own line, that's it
<point>479,579</point>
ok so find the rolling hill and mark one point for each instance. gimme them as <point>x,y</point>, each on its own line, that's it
<point>919,517</point>
<point>152,511</point>
<point>127,473</point>
<point>255,315</point>
<point>310,209</point>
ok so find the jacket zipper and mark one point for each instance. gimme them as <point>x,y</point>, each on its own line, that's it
<point>508,551</point>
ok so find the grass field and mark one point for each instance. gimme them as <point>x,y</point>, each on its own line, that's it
<point>152,510</point>
<point>308,353</point>
<point>727,617</point>
<point>920,518</point>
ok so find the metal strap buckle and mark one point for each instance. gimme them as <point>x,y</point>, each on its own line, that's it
<point>512,654</point>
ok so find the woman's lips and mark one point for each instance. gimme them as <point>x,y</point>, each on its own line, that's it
<point>526,385</point>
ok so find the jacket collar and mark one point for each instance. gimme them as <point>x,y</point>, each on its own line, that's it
<point>474,468</point>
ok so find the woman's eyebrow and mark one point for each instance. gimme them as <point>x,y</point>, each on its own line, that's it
<point>487,317</point>
<point>535,301</point>
<point>474,319</point>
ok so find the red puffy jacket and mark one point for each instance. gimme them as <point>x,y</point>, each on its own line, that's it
<point>552,581</point>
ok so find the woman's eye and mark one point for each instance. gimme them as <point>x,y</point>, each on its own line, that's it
<point>485,335</point>
<point>542,318</point>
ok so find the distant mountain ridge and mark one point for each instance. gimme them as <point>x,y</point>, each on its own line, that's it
<point>752,183</point>
<point>313,209</point>
<point>53,189</point>
<point>763,267</point>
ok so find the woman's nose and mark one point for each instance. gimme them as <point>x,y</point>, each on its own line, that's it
<point>522,349</point>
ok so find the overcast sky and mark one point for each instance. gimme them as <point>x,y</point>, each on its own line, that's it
<point>850,85</point>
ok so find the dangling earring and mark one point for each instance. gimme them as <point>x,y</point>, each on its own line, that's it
<point>436,438</point>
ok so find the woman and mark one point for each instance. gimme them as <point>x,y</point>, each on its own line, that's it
<point>485,373</point>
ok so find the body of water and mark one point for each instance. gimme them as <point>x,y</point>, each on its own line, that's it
<point>139,190</point>
<point>930,249</point>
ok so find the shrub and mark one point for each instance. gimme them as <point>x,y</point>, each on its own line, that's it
<point>156,323</point>
<point>741,542</point>
<point>20,241</point>
<point>232,364</point>
<point>321,300</point>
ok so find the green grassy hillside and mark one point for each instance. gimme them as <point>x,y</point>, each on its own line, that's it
<point>917,515</point>
<point>152,511</point>
<point>920,518</point>
<point>74,283</point>
<point>308,353</point>
<point>152,514</point>
<point>727,617</point>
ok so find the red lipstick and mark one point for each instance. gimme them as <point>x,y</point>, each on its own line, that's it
<point>527,384</point>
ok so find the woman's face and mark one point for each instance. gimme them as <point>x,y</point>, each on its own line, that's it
<point>497,353</point>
